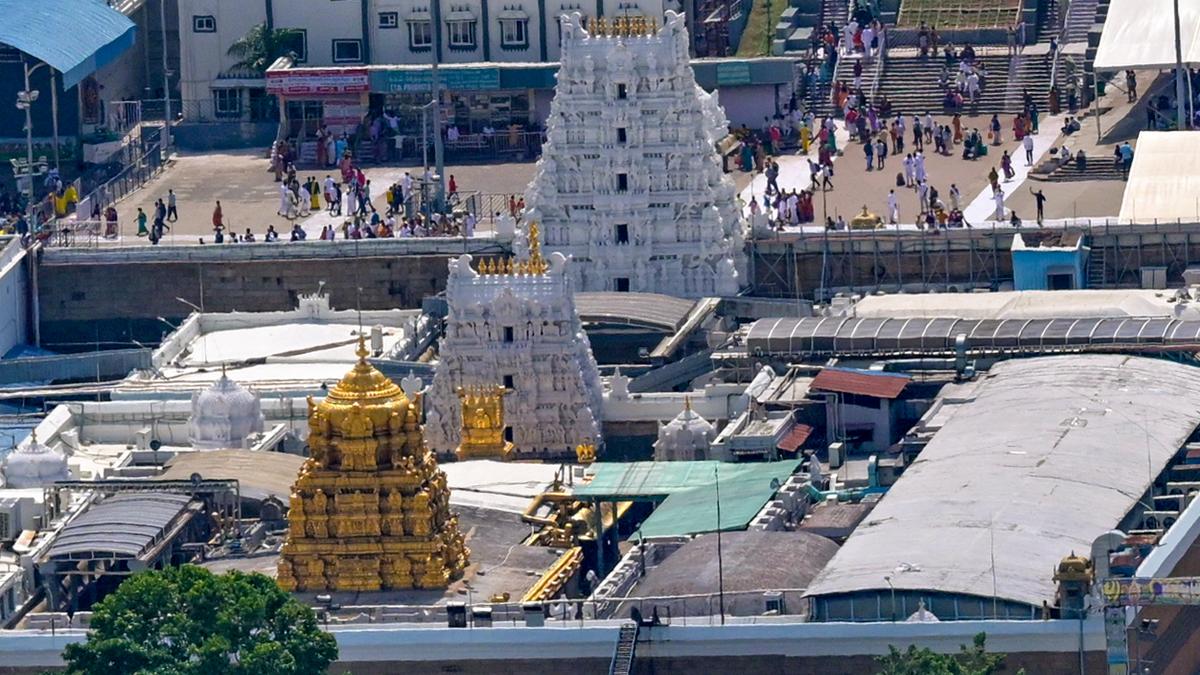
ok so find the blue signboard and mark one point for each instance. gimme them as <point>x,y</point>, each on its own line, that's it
<point>732,74</point>
<point>453,79</point>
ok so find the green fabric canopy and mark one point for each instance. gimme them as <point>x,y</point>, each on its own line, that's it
<point>687,492</point>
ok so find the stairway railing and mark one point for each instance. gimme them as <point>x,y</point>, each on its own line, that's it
<point>623,653</point>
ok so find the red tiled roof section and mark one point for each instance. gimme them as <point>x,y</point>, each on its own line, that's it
<point>862,382</point>
<point>795,437</point>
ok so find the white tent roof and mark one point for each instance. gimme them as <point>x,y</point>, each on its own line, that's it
<point>1164,182</point>
<point>1141,34</point>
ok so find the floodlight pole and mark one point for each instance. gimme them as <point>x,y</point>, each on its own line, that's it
<point>720,559</point>
<point>1180,73</point>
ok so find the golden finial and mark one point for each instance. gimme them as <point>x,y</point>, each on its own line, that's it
<point>362,352</point>
<point>508,265</point>
<point>537,264</point>
<point>601,26</point>
<point>585,453</point>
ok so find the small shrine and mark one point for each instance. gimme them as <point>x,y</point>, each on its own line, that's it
<point>865,220</point>
<point>370,510</point>
<point>224,416</point>
<point>34,465</point>
<point>687,437</point>
<point>483,423</point>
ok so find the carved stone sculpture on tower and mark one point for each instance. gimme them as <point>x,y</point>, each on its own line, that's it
<point>604,167</point>
<point>516,330</point>
<point>370,510</point>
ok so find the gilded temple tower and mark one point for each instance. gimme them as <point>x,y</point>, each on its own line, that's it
<point>370,510</point>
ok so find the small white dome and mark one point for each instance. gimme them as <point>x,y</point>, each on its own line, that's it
<point>224,415</point>
<point>34,465</point>
<point>686,437</point>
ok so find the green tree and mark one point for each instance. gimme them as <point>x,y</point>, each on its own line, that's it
<point>260,46</point>
<point>973,660</point>
<point>189,621</point>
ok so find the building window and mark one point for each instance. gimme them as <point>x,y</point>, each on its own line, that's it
<point>509,334</point>
<point>622,135</point>
<point>462,34</point>
<point>389,19</point>
<point>420,37</point>
<point>621,284</point>
<point>347,51</point>
<point>622,92</point>
<point>227,102</point>
<point>514,33</point>
<point>622,233</point>
<point>204,24</point>
<point>296,42</point>
<point>508,381</point>
<point>622,182</point>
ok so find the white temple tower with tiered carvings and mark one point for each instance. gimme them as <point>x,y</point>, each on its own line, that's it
<point>630,183</point>
<point>516,326</point>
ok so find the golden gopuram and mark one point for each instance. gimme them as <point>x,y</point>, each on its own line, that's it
<point>370,510</point>
<point>483,423</point>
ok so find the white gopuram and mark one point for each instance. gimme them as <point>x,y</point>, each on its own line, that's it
<point>516,326</point>
<point>687,437</point>
<point>630,184</point>
<point>224,416</point>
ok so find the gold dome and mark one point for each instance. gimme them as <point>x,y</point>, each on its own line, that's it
<point>365,384</point>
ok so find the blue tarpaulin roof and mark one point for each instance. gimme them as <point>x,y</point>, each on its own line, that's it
<point>76,37</point>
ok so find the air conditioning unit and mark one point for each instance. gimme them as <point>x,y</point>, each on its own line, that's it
<point>143,437</point>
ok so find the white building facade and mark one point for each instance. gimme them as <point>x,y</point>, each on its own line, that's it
<point>341,33</point>
<point>630,184</point>
<point>519,330</point>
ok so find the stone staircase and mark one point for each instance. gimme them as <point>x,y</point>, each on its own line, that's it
<point>793,33</point>
<point>1080,19</point>
<point>911,82</point>
<point>1098,168</point>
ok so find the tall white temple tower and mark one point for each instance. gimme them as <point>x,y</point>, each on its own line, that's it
<point>515,326</point>
<point>630,184</point>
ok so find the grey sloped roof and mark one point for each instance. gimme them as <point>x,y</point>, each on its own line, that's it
<point>643,309</point>
<point>122,525</point>
<point>1048,454</point>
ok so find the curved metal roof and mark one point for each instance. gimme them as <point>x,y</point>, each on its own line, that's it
<point>123,525</point>
<point>842,335</point>
<point>76,37</point>
<point>640,309</point>
<point>1040,458</point>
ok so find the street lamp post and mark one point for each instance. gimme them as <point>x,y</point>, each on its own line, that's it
<point>166,139</point>
<point>25,99</point>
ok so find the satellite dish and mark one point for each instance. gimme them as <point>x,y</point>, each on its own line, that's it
<point>155,445</point>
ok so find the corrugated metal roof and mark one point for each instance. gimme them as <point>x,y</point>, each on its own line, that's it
<point>862,382</point>
<point>1039,459</point>
<point>76,37</point>
<point>795,438</point>
<point>123,525</point>
<point>643,309</point>
<point>688,492</point>
<point>259,474</point>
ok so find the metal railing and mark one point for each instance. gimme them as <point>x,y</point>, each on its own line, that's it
<point>129,179</point>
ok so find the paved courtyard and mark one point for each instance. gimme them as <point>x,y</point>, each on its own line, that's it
<point>249,195</point>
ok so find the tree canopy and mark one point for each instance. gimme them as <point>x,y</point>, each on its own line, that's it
<point>260,46</point>
<point>189,621</point>
<point>973,660</point>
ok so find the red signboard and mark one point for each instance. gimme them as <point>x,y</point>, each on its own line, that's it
<point>321,81</point>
